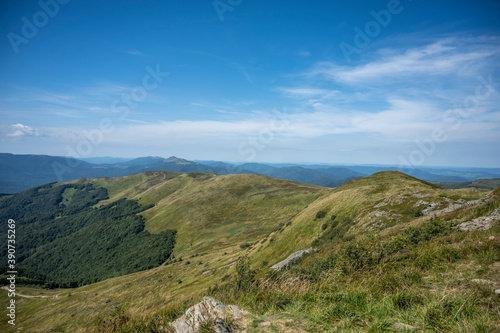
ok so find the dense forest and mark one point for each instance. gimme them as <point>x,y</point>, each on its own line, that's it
<point>64,240</point>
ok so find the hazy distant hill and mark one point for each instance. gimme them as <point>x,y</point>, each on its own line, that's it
<point>20,172</point>
<point>489,184</point>
<point>105,160</point>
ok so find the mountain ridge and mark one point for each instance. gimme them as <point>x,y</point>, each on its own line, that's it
<point>20,172</point>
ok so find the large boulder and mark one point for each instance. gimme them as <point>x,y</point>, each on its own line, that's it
<point>208,310</point>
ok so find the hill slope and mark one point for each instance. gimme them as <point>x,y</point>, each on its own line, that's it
<point>379,257</point>
<point>88,230</point>
<point>211,211</point>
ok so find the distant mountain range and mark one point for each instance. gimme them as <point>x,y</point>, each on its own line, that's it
<point>21,172</point>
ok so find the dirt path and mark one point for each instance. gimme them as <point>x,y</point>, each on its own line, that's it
<point>29,296</point>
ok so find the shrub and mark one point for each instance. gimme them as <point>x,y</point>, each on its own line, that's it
<point>355,256</point>
<point>413,212</point>
<point>434,228</point>
<point>320,214</point>
<point>245,246</point>
<point>243,274</point>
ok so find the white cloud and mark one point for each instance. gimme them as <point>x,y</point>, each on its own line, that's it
<point>304,54</point>
<point>308,92</point>
<point>134,52</point>
<point>18,130</point>
<point>444,57</point>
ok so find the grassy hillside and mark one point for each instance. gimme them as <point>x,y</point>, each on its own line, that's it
<point>379,258</point>
<point>350,209</point>
<point>210,211</point>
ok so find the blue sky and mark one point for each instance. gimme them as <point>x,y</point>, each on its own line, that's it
<point>380,82</point>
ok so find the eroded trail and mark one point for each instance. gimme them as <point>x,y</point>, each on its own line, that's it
<point>30,296</point>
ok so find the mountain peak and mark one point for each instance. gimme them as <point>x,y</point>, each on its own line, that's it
<point>173,159</point>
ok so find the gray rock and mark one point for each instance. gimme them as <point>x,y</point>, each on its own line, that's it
<point>430,208</point>
<point>235,311</point>
<point>291,257</point>
<point>453,206</point>
<point>481,223</point>
<point>221,327</point>
<point>478,202</point>
<point>421,195</point>
<point>483,281</point>
<point>379,213</point>
<point>403,327</point>
<point>421,203</point>
<point>497,292</point>
<point>382,204</point>
<point>206,310</point>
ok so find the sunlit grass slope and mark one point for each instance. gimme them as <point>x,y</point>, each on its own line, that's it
<point>210,211</point>
<point>350,209</point>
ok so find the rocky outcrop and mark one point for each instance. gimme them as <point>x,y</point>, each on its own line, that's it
<point>290,258</point>
<point>393,200</point>
<point>481,223</point>
<point>452,205</point>
<point>208,310</point>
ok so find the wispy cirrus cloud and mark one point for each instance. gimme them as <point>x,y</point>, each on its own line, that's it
<point>450,56</point>
<point>402,121</point>
<point>134,52</point>
<point>308,92</point>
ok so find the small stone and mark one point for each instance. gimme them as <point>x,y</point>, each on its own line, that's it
<point>483,281</point>
<point>235,311</point>
<point>491,238</point>
<point>403,327</point>
<point>497,292</point>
